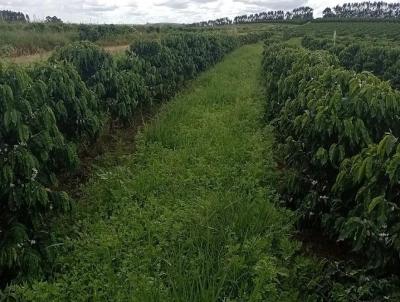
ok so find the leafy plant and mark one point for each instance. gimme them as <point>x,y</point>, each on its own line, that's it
<point>75,107</point>
<point>31,150</point>
<point>46,107</point>
<point>330,122</point>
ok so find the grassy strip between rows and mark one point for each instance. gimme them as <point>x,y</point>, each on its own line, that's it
<point>189,216</point>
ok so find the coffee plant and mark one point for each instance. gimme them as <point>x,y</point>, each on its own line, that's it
<point>119,89</point>
<point>330,122</point>
<point>382,60</point>
<point>48,109</point>
<point>76,108</point>
<point>94,65</point>
<point>165,64</point>
<point>369,184</point>
<point>32,149</point>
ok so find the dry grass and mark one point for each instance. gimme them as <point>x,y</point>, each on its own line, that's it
<point>41,56</point>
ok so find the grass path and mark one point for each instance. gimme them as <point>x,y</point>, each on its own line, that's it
<point>190,216</point>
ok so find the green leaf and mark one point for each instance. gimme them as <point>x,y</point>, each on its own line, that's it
<point>322,156</point>
<point>332,152</point>
<point>14,116</point>
<point>375,202</point>
<point>386,145</point>
<point>10,119</point>
<point>23,133</point>
<point>392,168</point>
<point>364,169</point>
<point>369,167</point>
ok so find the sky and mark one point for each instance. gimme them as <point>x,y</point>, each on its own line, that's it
<point>153,11</point>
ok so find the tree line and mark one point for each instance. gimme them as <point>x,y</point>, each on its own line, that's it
<point>300,13</point>
<point>11,16</point>
<point>365,10</point>
<point>357,10</point>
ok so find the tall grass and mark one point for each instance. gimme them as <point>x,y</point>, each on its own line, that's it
<point>23,39</point>
<point>23,43</point>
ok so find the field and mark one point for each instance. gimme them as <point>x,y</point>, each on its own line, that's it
<point>240,162</point>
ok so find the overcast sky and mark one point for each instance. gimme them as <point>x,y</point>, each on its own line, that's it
<point>153,11</point>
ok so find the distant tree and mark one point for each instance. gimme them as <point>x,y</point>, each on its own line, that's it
<point>328,13</point>
<point>53,19</point>
<point>366,10</point>
<point>288,15</point>
<point>301,13</point>
<point>11,16</point>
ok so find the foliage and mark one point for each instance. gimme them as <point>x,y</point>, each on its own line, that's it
<point>366,10</point>
<point>46,107</point>
<point>375,32</point>
<point>94,33</point>
<point>11,16</point>
<point>383,61</point>
<point>303,13</point>
<point>312,43</point>
<point>37,37</point>
<point>326,119</point>
<point>369,184</point>
<point>75,107</point>
<point>97,68</point>
<point>163,226</point>
<point>344,281</point>
<point>53,19</point>
<point>88,59</point>
<point>163,62</point>
<point>121,88</point>
<point>6,50</point>
<point>32,149</point>
<point>179,58</point>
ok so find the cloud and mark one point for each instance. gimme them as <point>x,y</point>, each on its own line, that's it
<point>274,4</point>
<point>143,11</point>
<point>175,4</point>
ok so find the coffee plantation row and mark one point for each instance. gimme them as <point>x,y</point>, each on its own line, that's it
<point>49,109</point>
<point>338,131</point>
<point>382,60</point>
<point>361,29</point>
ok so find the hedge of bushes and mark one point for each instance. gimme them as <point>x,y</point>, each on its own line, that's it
<point>338,130</point>
<point>382,60</point>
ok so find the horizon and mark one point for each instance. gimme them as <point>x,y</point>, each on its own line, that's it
<point>140,12</point>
